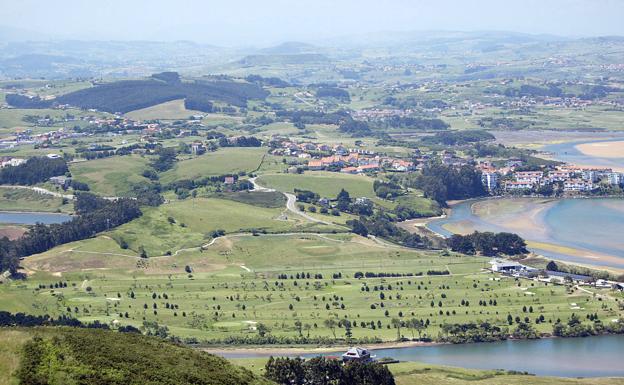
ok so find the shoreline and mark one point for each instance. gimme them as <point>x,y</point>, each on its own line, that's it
<point>261,351</point>
<point>530,226</point>
<point>275,350</point>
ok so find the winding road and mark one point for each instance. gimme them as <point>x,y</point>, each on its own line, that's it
<point>291,201</point>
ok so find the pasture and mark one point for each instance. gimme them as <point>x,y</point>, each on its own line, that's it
<point>111,176</point>
<point>224,161</point>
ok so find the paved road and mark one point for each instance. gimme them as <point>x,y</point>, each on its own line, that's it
<point>291,203</point>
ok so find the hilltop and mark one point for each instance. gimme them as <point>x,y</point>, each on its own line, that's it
<point>95,356</point>
<point>129,95</point>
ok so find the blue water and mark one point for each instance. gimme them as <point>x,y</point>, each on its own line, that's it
<point>598,356</point>
<point>566,152</point>
<point>20,218</point>
<point>595,225</point>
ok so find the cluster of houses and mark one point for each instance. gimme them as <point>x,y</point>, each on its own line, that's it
<point>27,138</point>
<point>519,270</point>
<point>340,158</point>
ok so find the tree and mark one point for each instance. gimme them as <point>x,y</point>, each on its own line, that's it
<point>396,323</point>
<point>416,324</point>
<point>343,200</point>
<point>331,324</point>
<point>298,327</point>
<point>552,266</point>
<point>263,330</point>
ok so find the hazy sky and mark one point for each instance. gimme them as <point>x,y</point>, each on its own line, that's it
<point>261,22</point>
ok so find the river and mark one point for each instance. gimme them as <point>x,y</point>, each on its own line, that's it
<point>598,356</point>
<point>30,218</point>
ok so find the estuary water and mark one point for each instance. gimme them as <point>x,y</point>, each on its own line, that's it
<point>28,218</point>
<point>592,227</point>
<point>561,357</point>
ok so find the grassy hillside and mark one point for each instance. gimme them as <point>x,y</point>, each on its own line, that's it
<point>111,176</point>
<point>226,290</point>
<point>85,356</point>
<point>223,161</point>
<point>14,199</point>
<point>169,110</point>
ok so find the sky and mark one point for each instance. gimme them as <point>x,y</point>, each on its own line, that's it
<point>265,22</point>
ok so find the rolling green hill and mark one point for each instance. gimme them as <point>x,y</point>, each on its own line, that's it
<point>94,356</point>
<point>130,95</point>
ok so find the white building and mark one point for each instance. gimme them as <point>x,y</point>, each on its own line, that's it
<point>490,180</point>
<point>357,354</point>
<point>615,178</point>
<point>501,266</point>
<point>577,185</point>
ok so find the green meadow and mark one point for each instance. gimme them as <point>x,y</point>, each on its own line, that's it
<point>223,161</point>
<point>326,184</point>
<point>112,176</point>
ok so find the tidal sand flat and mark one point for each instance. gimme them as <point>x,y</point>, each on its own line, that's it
<point>585,231</point>
<point>591,154</point>
<point>613,149</point>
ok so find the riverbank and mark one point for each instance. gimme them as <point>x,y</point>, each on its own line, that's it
<point>264,350</point>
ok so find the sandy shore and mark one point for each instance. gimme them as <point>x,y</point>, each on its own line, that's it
<point>602,149</point>
<point>288,350</point>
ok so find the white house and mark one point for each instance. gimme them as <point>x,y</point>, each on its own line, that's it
<point>501,266</point>
<point>357,354</point>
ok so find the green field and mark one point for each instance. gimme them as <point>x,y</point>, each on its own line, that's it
<point>13,199</point>
<point>223,161</point>
<point>111,176</point>
<point>166,111</point>
<point>196,218</point>
<point>326,184</point>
